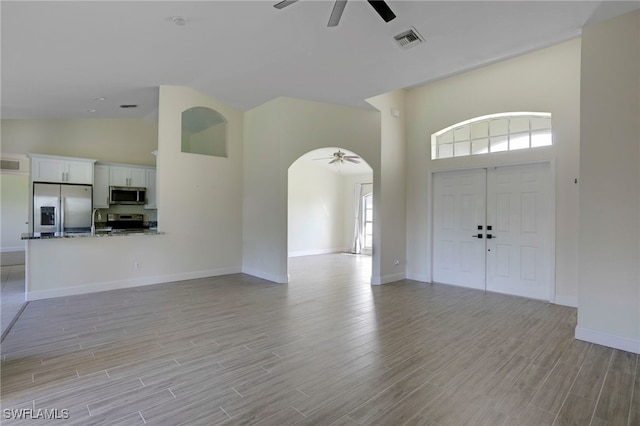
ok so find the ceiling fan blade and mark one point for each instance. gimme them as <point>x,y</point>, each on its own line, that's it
<point>336,13</point>
<point>334,160</point>
<point>284,3</point>
<point>383,10</point>
<point>352,160</point>
<point>323,158</point>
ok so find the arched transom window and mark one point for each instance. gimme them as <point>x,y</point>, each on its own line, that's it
<point>493,133</point>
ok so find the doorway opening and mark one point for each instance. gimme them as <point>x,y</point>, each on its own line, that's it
<point>330,205</point>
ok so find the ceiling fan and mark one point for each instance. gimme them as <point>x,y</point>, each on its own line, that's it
<point>380,6</point>
<point>341,157</point>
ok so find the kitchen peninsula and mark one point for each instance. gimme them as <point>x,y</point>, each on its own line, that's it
<point>77,263</point>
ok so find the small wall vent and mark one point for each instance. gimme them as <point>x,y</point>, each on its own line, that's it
<point>12,165</point>
<point>408,38</point>
<point>16,165</point>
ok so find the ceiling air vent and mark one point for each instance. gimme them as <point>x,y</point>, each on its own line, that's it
<point>408,38</point>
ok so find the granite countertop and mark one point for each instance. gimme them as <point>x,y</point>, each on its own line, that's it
<point>98,234</point>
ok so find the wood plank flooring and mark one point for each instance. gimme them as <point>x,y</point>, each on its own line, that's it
<point>12,297</point>
<point>326,349</point>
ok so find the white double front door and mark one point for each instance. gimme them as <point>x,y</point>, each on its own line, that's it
<point>492,230</point>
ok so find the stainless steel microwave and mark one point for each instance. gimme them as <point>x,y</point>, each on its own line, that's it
<point>127,195</point>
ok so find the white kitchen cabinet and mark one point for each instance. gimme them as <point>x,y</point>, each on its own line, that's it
<point>101,186</point>
<point>61,169</point>
<point>127,176</point>
<point>152,201</point>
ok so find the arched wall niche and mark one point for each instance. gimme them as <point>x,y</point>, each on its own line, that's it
<point>204,132</point>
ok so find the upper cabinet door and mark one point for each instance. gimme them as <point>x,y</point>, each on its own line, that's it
<point>47,170</point>
<point>127,176</point>
<point>79,171</point>
<point>118,176</point>
<point>61,170</point>
<point>138,178</point>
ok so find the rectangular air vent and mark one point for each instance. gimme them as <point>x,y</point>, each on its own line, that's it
<point>14,165</point>
<point>10,165</point>
<point>408,38</point>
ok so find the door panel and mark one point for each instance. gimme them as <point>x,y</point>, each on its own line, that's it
<point>517,209</point>
<point>76,206</point>
<point>511,204</point>
<point>459,207</point>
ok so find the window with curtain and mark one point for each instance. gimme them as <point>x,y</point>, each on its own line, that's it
<point>367,203</point>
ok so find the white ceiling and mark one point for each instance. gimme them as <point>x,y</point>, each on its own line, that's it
<point>57,57</point>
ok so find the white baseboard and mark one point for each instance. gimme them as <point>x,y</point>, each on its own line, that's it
<point>127,283</point>
<point>11,249</point>
<point>316,252</point>
<point>386,279</point>
<point>280,279</point>
<point>418,277</point>
<point>610,340</point>
<point>570,301</point>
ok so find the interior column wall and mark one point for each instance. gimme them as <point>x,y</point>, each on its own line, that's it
<point>390,203</point>
<point>609,293</point>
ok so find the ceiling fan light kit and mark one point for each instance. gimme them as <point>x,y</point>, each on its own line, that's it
<point>340,157</point>
<point>379,6</point>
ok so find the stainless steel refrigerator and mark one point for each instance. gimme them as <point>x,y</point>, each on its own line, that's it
<point>61,208</point>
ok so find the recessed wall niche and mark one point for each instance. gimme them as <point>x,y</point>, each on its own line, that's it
<point>204,131</point>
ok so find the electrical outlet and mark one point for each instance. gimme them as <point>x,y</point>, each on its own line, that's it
<point>136,265</point>
<point>396,262</point>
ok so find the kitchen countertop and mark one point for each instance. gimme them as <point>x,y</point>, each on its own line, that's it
<point>48,236</point>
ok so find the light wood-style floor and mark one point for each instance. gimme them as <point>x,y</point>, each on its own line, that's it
<point>327,348</point>
<point>12,296</point>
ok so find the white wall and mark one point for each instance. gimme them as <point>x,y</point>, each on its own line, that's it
<point>609,248</point>
<point>210,141</point>
<point>547,80</point>
<point>321,209</point>
<point>201,214</point>
<point>119,141</point>
<point>315,210</point>
<point>275,135</point>
<point>14,210</point>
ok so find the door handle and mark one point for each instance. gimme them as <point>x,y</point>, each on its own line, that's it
<point>60,226</point>
<point>478,236</point>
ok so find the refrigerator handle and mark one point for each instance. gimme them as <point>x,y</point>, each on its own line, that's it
<point>61,226</point>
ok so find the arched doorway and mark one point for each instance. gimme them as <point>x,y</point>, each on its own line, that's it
<point>329,201</point>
